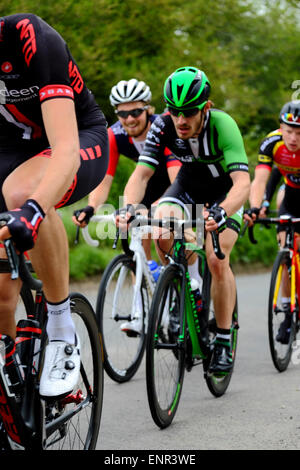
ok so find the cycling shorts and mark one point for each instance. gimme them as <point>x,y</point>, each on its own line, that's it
<point>93,157</point>
<point>192,203</point>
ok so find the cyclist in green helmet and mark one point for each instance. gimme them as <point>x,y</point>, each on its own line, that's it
<point>214,173</point>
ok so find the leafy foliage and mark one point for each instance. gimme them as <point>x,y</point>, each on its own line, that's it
<point>248,48</point>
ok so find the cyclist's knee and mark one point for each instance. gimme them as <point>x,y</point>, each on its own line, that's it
<point>9,293</point>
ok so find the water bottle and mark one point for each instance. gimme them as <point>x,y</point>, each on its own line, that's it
<point>195,288</point>
<point>28,342</point>
<point>155,269</point>
<point>10,364</point>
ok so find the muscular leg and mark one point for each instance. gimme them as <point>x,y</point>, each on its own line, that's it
<point>9,293</point>
<point>223,289</point>
<point>50,254</point>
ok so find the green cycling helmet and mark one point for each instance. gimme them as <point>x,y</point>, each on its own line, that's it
<point>187,87</point>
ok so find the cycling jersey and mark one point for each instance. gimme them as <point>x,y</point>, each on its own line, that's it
<point>36,65</point>
<point>120,143</point>
<point>274,151</point>
<point>207,160</point>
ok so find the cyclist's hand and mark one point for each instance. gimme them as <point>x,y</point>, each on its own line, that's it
<point>250,215</point>
<point>23,225</point>
<point>81,217</point>
<point>215,219</point>
<point>264,209</point>
<point>124,216</point>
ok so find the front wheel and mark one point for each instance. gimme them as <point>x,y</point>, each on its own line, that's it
<point>115,305</point>
<point>165,348</point>
<point>72,423</point>
<point>282,324</point>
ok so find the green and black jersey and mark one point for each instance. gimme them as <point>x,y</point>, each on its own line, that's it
<point>207,160</point>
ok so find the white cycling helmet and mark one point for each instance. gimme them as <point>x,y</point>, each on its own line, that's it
<point>131,90</point>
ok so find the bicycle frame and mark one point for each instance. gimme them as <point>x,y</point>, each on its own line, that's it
<point>21,418</point>
<point>189,313</point>
<point>291,248</point>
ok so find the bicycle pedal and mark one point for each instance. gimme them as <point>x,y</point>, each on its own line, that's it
<point>132,334</point>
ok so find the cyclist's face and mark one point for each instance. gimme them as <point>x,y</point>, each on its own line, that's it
<point>187,127</point>
<point>134,126</point>
<point>291,137</point>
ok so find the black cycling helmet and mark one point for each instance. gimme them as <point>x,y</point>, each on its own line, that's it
<point>187,87</point>
<point>290,113</point>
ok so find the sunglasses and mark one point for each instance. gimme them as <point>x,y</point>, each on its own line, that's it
<point>290,117</point>
<point>185,112</point>
<point>133,112</point>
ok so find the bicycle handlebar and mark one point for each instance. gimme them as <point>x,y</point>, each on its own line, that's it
<point>17,264</point>
<point>281,220</point>
<point>139,221</point>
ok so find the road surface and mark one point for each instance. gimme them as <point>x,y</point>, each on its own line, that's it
<point>260,410</point>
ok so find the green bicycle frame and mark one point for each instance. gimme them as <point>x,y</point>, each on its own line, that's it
<point>188,303</point>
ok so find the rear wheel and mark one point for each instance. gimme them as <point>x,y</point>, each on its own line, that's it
<point>165,350</point>
<point>279,316</point>
<point>122,352</point>
<point>218,384</point>
<point>72,423</point>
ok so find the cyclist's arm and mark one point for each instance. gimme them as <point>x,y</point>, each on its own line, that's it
<point>258,185</point>
<point>100,194</point>
<point>136,186</point>
<point>272,183</point>
<point>235,199</point>
<point>61,127</point>
<point>231,143</point>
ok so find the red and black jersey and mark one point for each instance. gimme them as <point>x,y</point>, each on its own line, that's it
<point>36,65</point>
<point>274,151</point>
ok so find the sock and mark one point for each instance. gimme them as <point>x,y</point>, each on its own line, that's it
<point>60,326</point>
<point>193,270</point>
<point>223,336</point>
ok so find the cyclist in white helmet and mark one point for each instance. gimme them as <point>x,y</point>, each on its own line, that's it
<point>131,100</point>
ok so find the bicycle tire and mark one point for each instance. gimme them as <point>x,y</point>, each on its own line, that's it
<point>280,353</point>
<point>122,353</point>
<point>165,365</point>
<point>218,384</point>
<point>73,423</point>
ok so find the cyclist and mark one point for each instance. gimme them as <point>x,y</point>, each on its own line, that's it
<point>282,148</point>
<point>131,100</point>
<point>54,150</point>
<point>214,171</point>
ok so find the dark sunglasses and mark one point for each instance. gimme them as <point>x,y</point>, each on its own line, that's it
<point>133,112</point>
<point>185,112</point>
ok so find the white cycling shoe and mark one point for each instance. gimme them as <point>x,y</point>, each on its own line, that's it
<point>133,327</point>
<point>61,368</point>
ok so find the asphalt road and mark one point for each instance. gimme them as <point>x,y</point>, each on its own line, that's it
<point>260,410</point>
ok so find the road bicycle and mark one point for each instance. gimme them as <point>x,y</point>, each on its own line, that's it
<point>126,285</point>
<point>27,421</point>
<point>177,338</point>
<point>285,272</point>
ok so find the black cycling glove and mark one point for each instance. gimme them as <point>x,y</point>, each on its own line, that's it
<point>24,223</point>
<point>219,215</point>
<point>89,212</point>
<point>252,210</point>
